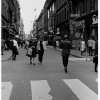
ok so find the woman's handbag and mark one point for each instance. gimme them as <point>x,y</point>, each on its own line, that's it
<point>29,52</point>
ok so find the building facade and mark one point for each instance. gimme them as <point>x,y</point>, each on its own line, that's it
<point>76,18</point>
<point>10,16</point>
<point>62,17</point>
<point>83,20</point>
<point>40,22</point>
<point>45,14</point>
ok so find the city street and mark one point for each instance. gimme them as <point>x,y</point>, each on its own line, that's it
<point>48,81</point>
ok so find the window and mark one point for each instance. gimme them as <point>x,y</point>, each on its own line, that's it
<point>48,14</point>
<point>92,4</point>
<point>5,11</point>
<point>53,7</point>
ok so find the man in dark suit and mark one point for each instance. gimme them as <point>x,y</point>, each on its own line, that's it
<point>65,45</point>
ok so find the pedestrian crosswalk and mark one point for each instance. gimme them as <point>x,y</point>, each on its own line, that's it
<point>41,90</point>
<point>6,90</point>
<point>81,90</point>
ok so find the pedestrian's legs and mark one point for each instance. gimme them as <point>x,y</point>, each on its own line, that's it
<point>89,51</point>
<point>14,57</point>
<point>81,52</point>
<point>41,56</point>
<point>2,50</point>
<point>30,60</point>
<point>65,62</point>
<point>93,51</point>
<point>96,64</point>
<point>33,61</point>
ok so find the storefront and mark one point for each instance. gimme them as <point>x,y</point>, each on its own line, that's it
<point>91,25</point>
<point>4,29</point>
<point>77,33</point>
<point>84,27</point>
<point>94,27</point>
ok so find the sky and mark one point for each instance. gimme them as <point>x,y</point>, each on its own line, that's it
<point>30,9</point>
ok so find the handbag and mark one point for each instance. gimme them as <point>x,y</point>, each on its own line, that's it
<point>29,52</point>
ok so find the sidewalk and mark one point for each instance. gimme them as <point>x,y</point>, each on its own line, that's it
<point>76,53</point>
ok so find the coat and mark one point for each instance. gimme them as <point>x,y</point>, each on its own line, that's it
<point>44,45</point>
<point>65,46</point>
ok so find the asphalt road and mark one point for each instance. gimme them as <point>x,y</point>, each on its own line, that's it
<point>22,81</point>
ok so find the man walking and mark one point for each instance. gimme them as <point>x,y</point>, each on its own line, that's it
<point>65,45</point>
<point>14,49</point>
<point>90,44</point>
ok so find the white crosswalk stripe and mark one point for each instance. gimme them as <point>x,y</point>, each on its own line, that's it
<point>40,90</point>
<point>6,90</point>
<point>80,89</point>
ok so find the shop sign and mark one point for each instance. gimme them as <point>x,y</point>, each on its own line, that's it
<point>74,15</point>
<point>77,25</point>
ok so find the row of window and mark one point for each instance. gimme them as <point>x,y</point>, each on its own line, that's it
<point>84,6</point>
<point>59,3</point>
<point>62,15</point>
<point>4,11</point>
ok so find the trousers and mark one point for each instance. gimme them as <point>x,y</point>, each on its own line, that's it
<point>40,55</point>
<point>65,61</point>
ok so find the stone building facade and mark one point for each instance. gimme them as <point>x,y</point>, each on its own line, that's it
<point>10,16</point>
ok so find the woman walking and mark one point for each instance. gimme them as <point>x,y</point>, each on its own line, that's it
<point>32,51</point>
<point>14,49</point>
<point>41,46</point>
<point>82,47</point>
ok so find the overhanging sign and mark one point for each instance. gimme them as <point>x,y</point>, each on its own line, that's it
<point>77,24</point>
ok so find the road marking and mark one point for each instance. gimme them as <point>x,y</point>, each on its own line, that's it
<point>6,90</point>
<point>40,90</point>
<point>80,89</point>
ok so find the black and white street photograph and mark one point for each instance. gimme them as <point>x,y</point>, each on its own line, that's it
<point>49,50</point>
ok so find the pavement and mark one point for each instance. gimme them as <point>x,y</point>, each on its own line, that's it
<point>22,77</point>
<point>74,53</point>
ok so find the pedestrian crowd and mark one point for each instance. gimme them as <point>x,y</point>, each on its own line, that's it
<point>36,47</point>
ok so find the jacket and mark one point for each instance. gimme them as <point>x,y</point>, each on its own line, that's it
<point>44,45</point>
<point>65,46</point>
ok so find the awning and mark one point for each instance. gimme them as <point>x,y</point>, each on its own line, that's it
<point>87,15</point>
